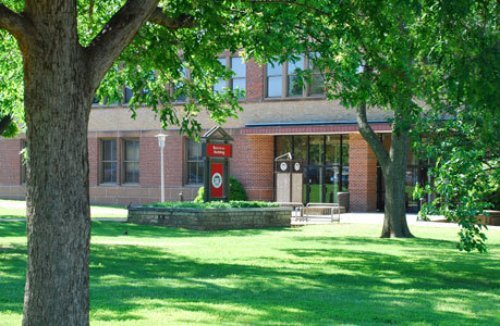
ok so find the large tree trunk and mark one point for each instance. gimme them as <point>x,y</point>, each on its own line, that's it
<point>57,106</point>
<point>393,164</point>
<point>394,174</point>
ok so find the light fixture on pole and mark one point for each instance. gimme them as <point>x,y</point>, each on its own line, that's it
<point>161,142</point>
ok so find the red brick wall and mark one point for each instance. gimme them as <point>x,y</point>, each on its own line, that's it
<point>10,162</point>
<point>93,148</point>
<point>255,82</point>
<point>362,175</point>
<point>252,165</point>
<point>10,169</point>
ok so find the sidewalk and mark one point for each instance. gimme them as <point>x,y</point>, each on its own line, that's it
<point>378,219</point>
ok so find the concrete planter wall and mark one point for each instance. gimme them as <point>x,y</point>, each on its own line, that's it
<point>492,219</point>
<point>211,219</point>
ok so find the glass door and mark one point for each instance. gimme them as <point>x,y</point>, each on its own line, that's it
<point>313,185</point>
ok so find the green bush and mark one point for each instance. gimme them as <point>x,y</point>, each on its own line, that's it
<point>213,204</point>
<point>236,191</point>
<point>200,195</point>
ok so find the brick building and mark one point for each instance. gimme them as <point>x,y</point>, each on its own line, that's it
<point>278,117</point>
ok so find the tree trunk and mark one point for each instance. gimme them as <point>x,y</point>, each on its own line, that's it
<point>57,106</point>
<point>393,164</point>
<point>394,174</point>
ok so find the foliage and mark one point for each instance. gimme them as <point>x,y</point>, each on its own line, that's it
<point>462,87</point>
<point>153,66</point>
<point>465,176</point>
<point>414,58</point>
<point>236,191</point>
<point>146,275</point>
<point>214,204</point>
<point>200,195</point>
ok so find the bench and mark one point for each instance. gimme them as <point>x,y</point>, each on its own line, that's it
<point>297,208</point>
<point>332,209</point>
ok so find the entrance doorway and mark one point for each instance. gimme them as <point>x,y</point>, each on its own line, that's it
<point>326,164</point>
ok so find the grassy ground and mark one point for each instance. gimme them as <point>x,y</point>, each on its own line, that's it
<point>315,275</point>
<point>17,209</point>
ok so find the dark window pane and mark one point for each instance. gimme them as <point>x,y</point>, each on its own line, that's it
<point>131,150</point>
<point>317,86</point>
<point>316,148</point>
<point>300,148</point>
<point>109,172</point>
<point>283,145</point>
<point>194,150</point>
<point>295,86</point>
<point>109,150</point>
<point>194,164</point>
<point>127,94</point>
<point>131,172</point>
<point>333,149</point>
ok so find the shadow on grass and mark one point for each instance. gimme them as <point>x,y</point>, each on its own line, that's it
<point>146,231</point>
<point>340,282</point>
<point>113,229</point>
<point>366,287</point>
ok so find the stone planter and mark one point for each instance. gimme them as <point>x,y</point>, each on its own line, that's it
<point>211,219</point>
<point>492,219</point>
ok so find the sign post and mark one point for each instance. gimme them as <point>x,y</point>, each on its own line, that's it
<point>217,150</point>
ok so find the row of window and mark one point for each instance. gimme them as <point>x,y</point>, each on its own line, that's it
<point>129,162</point>
<point>282,80</point>
<point>109,162</point>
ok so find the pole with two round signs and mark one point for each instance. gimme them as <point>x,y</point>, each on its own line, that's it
<point>217,150</point>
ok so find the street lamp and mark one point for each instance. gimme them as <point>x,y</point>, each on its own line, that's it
<point>161,142</point>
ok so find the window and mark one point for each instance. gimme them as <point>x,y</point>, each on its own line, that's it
<point>109,164</point>
<point>240,73</point>
<point>283,80</point>
<point>295,85</point>
<point>131,161</point>
<point>238,81</point>
<point>194,163</point>
<point>274,79</point>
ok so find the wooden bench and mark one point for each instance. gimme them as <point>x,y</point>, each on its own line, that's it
<point>331,209</point>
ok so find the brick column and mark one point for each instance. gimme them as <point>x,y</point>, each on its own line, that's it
<point>93,147</point>
<point>362,175</point>
<point>252,165</point>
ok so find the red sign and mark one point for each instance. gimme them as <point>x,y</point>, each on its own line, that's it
<point>219,150</point>
<point>216,180</point>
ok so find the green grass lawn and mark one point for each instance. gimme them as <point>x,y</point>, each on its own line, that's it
<point>17,209</point>
<point>315,275</point>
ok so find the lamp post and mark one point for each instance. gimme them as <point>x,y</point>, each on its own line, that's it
<point>161,142</point>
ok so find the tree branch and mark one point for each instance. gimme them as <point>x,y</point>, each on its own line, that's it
<point>115,36</point>
<point>120,31</point>
<point>370,136</point>
<point>15,23</point>
<point>159,18</point>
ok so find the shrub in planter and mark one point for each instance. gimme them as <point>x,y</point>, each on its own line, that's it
<point>236,191</point>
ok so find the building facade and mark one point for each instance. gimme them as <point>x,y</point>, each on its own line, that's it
<point>279,116</point>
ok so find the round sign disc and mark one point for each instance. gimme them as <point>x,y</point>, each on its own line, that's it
<point>216,180</point>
